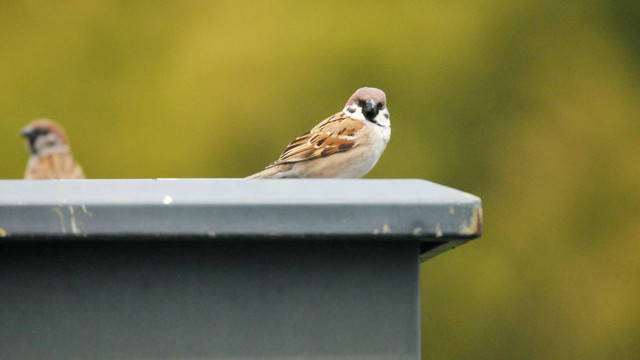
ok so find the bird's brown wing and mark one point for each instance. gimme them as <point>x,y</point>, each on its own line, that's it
<point>335,134</point>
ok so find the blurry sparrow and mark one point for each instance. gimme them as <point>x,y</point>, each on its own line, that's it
<point>345,145</point>
<point>50,156</point>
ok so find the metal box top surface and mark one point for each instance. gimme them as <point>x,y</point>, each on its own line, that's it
<point>237,208</point>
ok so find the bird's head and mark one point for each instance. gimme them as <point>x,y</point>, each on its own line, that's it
<point>44,136</point>
<point>369,104</point>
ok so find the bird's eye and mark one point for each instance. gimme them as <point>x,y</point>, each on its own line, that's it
<point>361,103</point>
<point>380,106</point>
<point>41,132</point>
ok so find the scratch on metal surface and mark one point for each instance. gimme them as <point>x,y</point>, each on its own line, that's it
<point>474,225</point>
<point>72,221</point>
<point>85,211</point>
<point>77,226</point>
<point>58,211</point>
<point>438,230</point>
<point>75,219</point>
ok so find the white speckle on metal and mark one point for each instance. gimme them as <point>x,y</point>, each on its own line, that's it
<point>167,200</point>
<point>3,232</point>
<point>386,229</point>
<point>417,231</point>
<point>452,210</point>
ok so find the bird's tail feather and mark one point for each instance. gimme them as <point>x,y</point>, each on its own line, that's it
<point>273,172</point>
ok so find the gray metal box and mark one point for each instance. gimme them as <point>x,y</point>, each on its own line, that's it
<point>220,268</point>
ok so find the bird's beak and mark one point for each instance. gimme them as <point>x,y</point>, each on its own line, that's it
<point>370,110</point>
<point>26,132</point>
<point>371,103</point>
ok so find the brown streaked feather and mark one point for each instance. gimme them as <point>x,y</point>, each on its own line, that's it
<point>335,134</point>
<point>54,166</point>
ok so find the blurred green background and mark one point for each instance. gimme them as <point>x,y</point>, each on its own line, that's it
<point>534,106</point>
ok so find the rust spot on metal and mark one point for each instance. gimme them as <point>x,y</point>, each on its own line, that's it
<point>478,214</point>
<point>474,225</point>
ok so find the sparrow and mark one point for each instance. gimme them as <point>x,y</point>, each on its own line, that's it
<point>50,155</point>
<point>345,145</point>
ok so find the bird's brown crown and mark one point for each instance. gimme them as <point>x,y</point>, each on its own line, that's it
<point>367,93</point>
<point>43,126</point>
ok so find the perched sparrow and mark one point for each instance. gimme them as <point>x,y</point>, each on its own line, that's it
<point>50,156</point>
<point>345,145</point>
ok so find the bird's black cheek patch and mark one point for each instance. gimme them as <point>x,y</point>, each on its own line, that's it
<point>351,109</point>
<point>386,115</point>
<point>32,145</point>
